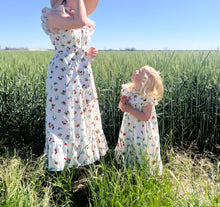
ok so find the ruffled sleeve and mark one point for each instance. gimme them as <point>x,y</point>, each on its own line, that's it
<point>125,89</point>
<point>91,26</point>
<point>150,101</point>
<point>136,98</point>
<point>44,19</point>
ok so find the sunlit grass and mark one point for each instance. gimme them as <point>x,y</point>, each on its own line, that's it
<point>187,180</point>
<point>189,114</point>
<point>22,182</point>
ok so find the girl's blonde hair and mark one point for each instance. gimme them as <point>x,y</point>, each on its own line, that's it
<point>152,84</point>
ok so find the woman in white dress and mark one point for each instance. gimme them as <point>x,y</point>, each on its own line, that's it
<point>74,135</point>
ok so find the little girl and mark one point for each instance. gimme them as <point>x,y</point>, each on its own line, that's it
<point>139,135</point>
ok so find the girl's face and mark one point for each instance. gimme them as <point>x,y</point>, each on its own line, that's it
<point>138,76</point>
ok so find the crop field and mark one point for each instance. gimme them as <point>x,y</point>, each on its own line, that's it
<point>188,113</point>
<point>189,121</point>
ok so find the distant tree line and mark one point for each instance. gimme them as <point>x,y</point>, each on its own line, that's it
<point>13,48</point>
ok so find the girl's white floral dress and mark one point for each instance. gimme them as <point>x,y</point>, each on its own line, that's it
<point>74,135</point>
<point>139,139</point>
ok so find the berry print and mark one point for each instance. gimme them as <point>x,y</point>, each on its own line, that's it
<point>74,127</point>
<point>137,137</point>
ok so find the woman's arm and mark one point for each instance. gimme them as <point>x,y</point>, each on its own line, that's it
<point>142,116</point>
<point>57,20</point>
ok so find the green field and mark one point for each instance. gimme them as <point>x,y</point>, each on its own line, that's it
<point>189,120</point>
<point>188,113</point>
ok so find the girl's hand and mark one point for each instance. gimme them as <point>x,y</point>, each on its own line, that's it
<point>92,52</point>
<point>125,99</point>
<point>124,107</point>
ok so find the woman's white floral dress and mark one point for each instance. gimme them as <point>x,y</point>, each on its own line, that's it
<point>74,135</point>
<point>139,139</point>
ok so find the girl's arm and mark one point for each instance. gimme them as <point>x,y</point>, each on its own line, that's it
<point>57,20</point>
<point>142,116</point>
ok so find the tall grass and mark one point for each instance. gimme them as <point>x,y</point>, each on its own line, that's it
<point>189,111</point>
<point>187,180</point>
<point>21,183</point>
<point>22,97</point>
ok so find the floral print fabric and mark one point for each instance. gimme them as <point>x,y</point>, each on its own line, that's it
<point>139,139</point>
<point>74,135</point>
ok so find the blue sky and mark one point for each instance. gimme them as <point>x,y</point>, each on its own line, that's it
<point>140,24</point>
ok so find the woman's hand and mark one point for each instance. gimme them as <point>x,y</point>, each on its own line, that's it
<point>92,52</point>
